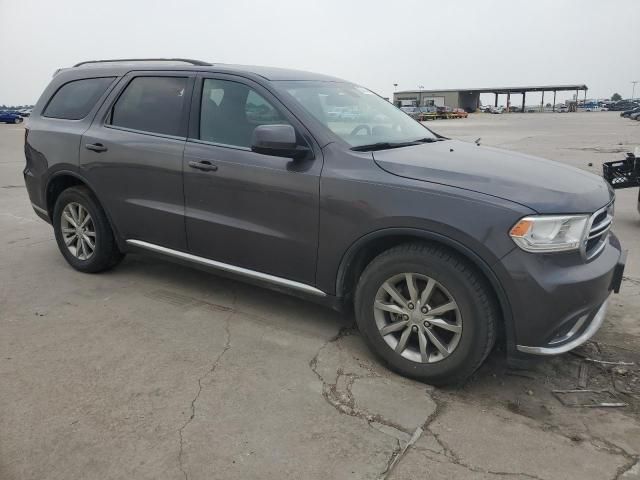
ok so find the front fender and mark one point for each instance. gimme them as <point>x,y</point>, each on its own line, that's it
<point>489,265</point>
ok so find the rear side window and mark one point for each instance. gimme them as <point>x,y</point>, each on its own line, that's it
<point>152,104</point>
<point>74,100</point>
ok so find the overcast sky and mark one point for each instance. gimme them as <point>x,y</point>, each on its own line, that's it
<point>436,44</point>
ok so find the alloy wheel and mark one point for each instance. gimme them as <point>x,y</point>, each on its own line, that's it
<point>417,317</point>
<point>78,231</point>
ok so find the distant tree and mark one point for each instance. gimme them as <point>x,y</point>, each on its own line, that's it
<point>616,97</point>
<point>548,105</point>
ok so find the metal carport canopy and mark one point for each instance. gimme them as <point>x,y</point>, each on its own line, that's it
<point>534,88</point>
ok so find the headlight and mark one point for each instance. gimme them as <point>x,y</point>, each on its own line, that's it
<point>550,233</point>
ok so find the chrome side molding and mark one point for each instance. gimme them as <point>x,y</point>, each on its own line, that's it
<point>39,209</point>
<point>303,287</point>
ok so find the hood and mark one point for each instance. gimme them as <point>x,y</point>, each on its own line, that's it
<point>542,185</point>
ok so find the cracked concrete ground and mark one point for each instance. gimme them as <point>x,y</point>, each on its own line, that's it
<point>157,371</point>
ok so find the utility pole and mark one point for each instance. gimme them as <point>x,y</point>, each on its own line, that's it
<point>633,91</point>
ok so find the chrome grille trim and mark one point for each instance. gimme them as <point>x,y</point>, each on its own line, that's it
<point>596,232</point>
<point>599,232</point>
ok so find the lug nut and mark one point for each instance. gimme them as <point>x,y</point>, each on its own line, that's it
<point>406,317</point>
<point>424,310</point>
<point>427,324</point>
<point>410,306</point>
<point>414,328</point>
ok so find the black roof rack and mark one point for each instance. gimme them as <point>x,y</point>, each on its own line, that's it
<point>185,60</point>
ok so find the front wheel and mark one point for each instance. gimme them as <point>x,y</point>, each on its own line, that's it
<point>17,120</point>
<point>83,232</point>
<point>426,312</point>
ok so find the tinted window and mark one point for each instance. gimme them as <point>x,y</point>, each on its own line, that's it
<point>230,111</point>
<point>152,104</point>
<point>74,100</point>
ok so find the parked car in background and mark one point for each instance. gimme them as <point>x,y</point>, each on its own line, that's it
<point>623,105</point>
<point>459,113</point>
<point>7,116</point>
<point>413,112</point>
<point>429,112</point>
<point>514,109</point>
<point>635,115</point>
<point>594,107</point>
<point>499,109</point>
<point>562,108</point>
<point>485,108</point>
<point>440,247</point>
<point>628,113</point>
<point>444,111</point>
<point>25,112</point>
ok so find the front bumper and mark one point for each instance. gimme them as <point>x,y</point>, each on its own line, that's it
<point>559,301</point>
<point>576,336</point>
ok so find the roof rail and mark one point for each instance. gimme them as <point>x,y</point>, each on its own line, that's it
<point>185,60</point>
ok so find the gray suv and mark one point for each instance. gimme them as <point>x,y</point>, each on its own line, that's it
<point>440,247</point>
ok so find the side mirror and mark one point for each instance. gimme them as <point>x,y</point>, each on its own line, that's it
<point>277,140</point>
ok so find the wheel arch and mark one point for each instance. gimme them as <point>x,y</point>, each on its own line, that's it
<point>59,182</point>
<point>363,250</point>
<point>64,179</point>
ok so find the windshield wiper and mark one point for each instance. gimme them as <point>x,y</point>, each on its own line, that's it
<point>382,146</point>
<point>388,145</point>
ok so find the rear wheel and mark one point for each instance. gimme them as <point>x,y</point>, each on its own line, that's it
<point>17,120</point>
<point>83,233</point>
<point>426,312</point>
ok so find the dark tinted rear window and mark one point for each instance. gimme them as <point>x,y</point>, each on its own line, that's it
<point>152,104</point>
<point>74,100</point>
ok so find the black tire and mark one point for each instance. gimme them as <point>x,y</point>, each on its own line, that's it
<point>17,120</point>
<point>106,253</point>
<point>466,285</point>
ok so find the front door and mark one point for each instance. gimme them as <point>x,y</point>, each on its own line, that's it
<point>132,156</point>
<point>242,208</point>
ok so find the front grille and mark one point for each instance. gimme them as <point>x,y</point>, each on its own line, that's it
<point>599,226</point>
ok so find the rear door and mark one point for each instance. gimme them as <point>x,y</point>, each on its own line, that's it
<point>132,156</point>
<point>243,208</point>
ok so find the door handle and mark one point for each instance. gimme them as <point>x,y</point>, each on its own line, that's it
<point>204,165</point>
<point>96,147</point>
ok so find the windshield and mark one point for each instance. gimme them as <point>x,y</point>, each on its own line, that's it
<point>355,114</point>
